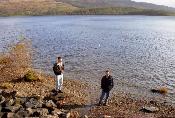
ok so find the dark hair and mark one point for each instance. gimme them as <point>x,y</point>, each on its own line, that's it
<point>107,71</point>
<point>59,58</point>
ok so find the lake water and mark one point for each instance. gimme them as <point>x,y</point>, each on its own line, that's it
<point>140,50</point>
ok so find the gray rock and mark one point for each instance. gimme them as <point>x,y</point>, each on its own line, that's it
<point>20,101</point>
<point>56,112</point>
<point>50,116</point>
<point>1,114</point>
<point>10,115</point>
<point>33,103</point>
<point>11,108</point>
<point>22,113</point>
<point>2,99</point>
<point>50,104</point>
<point>0,108</point>
<point>106,116</point>
<point>150,109</point>
<point>42,111</point>
<point>85,116</point>
<point>30,111</point>
<point>1,91</point>
<point>9,102</point>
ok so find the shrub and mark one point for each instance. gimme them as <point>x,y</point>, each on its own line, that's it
<point>31,76</point>
<point>163,90</point>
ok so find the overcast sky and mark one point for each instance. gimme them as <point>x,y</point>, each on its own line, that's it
<point>170,3</point>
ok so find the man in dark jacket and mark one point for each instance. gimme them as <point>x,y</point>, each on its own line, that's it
<point>106,86</point>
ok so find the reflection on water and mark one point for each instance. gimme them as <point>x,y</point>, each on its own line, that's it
<point>140,50</point>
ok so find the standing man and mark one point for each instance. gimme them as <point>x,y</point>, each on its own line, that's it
<point>106,86</point>
<point>58,69</point>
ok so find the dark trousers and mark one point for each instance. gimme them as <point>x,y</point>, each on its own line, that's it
<point>104,94</point>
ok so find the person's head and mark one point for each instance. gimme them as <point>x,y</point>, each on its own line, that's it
<point>107,72</point>
<point>59,59</point>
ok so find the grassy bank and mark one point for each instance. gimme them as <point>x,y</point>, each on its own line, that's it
<point>51,7</point>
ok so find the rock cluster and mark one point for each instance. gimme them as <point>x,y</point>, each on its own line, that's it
<point>12,106</point>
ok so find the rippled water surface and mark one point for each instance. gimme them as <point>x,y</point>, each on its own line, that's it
<point>140,50</point>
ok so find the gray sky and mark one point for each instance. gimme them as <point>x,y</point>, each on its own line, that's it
<point>170,3</point>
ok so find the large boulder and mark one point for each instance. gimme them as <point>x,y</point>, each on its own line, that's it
<point>150,109</point>
<point>33,103</point>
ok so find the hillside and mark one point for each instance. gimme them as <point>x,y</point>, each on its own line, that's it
<point>80,7</point>
<point>116,3</point>
<point>35,7</point>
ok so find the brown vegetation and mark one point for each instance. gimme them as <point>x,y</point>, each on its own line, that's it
<point>16,62</point>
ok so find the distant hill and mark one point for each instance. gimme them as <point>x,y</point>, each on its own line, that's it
<point>116,3</point>
<point>81,7</point>
<point>34,7</point>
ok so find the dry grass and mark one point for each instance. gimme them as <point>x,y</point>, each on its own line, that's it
<point>6,86</point>
<point>16,62</point>
<point>163,90</point>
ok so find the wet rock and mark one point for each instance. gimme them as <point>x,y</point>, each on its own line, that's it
<point>50,104</point>
<point>149,109</point>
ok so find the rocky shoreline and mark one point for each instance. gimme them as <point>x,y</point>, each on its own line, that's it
<point>36,99</point>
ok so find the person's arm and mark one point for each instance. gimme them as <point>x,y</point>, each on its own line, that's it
<point>111,83</point>
<point>63,67</point>
<point>102,83</point>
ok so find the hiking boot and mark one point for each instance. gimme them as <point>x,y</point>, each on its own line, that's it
<point>60,91</point>
<point>99,104</point>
